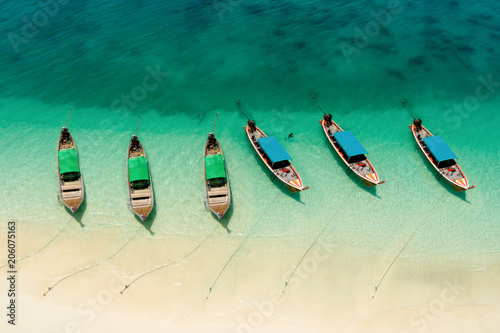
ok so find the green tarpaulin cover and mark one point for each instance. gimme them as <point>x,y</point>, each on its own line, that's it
<point>214,166</point>
<point>138,169</point>
<point>68,161</point>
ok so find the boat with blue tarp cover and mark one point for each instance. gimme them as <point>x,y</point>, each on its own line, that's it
<point>140,184</point>
<point>350,150</point>
<point>71,189</point>
<point>275,157</point>
<point>217,189</point>
<point>440,155</point>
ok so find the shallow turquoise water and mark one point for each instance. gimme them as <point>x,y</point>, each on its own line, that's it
<point>98,57</point>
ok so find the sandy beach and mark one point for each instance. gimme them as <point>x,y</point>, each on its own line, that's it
<point>333,290</point>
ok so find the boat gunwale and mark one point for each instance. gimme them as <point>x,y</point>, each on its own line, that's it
<point>73,146</point>
<point>150,182</point>
<point>364,178</point>
<point>288,184</point>
<point>205,181</point>
<point>456,185</point>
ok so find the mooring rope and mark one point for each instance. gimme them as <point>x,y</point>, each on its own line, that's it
<point>170,263</point>
<point>407,242</point>
<point>90,267</point>
<point>239,246</point>
<point>317,238</point>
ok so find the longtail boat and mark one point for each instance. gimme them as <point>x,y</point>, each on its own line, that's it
<point>140,184</point>
<point>71,189</point>
<point>217,189</point>
<point>440,155</point>
<point>274,156</point>
<point>350,150</point>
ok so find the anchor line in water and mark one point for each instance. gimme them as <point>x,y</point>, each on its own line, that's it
<point>239,246</point>
<point>90,267</point>
<point>404,246</point>
<point>170,263</point>
<point>317,238</point>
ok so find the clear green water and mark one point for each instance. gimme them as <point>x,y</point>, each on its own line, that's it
<point>272,56</point>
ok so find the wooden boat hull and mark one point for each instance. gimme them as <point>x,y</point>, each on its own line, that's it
<point>294,185</point>
<point>71,193</point>
<point>459,184</point>
<point>369,179</point>
<point>217,199</point>
<point>140,201</point>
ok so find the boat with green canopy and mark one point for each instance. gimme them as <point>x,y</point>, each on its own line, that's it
<point>140,184</point>
<point>71,189</point>
<point>217,189</point>
<point>440,155</point>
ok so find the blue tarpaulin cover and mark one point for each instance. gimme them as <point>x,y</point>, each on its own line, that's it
<point>439,149</point>
<point>273,149</point>
<point>349,143</point>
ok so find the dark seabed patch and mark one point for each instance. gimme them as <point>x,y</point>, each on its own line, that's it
<point>280,33</point>
<point>429,33</point>
<point>255,10</point>
<point>465,48</point>
<point>446,40</point>
<point>430,20</point>
<point>495,37</point>
<point>396,73</point>
<point>453,4</point>
<point>387,48</point>
<point>384,31</point>
<point>475,21</point>
<point>417,61</point>
<point>493,27</point>
<point>299,45</point>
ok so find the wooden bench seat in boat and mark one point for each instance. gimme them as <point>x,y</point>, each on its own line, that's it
<point>71,194</point>
<point>141,203</point>
<point>217,190</point>
<point>140,193</point>
<point>71,186</point>
<point>217,200</point>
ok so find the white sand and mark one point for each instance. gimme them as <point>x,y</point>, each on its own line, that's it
<point>331,292</point>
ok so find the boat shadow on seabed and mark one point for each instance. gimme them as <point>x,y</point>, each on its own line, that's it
<point>148,224</point>
<point>295,196</point>
<point>79,213</point>
<point>276,182</point>
<point>440,179</point>
<point>78,216</point>
<point>226,219</point>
